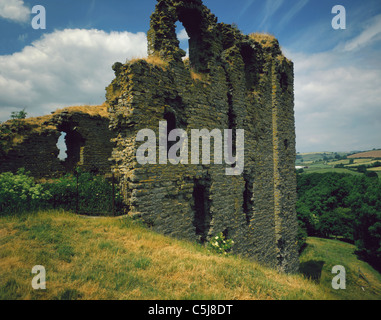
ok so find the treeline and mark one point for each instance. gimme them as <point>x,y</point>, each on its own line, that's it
<point>343,206</point>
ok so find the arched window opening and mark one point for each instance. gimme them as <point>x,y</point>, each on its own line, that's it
<point>192,20</point>
<point>249,59</point>
<point>72,144</point>
<point>183,38</point>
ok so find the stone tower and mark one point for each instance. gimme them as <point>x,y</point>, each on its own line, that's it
<point>230,81</point>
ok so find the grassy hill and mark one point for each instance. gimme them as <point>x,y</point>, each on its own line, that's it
<point>323,162</point>
<point>107,258</point>
<point>318,259</point>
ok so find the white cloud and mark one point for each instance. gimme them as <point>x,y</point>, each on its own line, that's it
<point>337,103</point>
<point>370,33</point>
<point>63,68</point>
<point>270,9</point>
<point>183,35</point>
<point>14,10</point>
<point>293,11</point>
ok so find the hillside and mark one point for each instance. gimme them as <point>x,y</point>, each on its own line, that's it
<point>357,163</point>
<point>108,258</point>
<point>367,154</point>
<point>321,255</point>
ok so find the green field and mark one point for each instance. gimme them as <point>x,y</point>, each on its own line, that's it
<point>323,162</point>
<point>109,258</point>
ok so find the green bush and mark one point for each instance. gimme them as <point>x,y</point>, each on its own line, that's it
<point>19,192</point>
<point>94,194</point>
<point>220,245</point>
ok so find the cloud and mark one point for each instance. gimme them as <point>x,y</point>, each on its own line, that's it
<point>293,11</point>
<point>271,8</point>
<point>337,106</point>
<point>14,10</point>
<point>63,68</point>
<point>182,35</point>
<point>245,7</point>
<point>370,33</point>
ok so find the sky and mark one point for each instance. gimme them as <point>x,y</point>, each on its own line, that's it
<point>337,71</point>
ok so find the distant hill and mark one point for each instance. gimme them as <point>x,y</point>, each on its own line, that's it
<point>367,154</point>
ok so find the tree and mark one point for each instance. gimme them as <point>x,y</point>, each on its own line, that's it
<point>371,174</point>
<point>343,206</point>
<point>16,115</point>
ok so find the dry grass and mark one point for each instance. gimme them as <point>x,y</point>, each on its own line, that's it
<point>196,76</point>
<point>265,39</point>
<point>23,127</point>
<point>153,59</point>
<point>101,110</point>
<point>91,110</point>
<point>109,258</point>
<point>368,154</point>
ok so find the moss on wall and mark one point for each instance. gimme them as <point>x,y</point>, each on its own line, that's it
<point>230,81</point>
<point>32,143</point>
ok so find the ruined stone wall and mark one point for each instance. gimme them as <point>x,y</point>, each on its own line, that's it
<point>32,143</point>
<point>230,81</point>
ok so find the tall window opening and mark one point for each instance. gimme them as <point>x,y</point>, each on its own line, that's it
<point>249,59</point>
<point>202,214</point>
<point>247,205</point>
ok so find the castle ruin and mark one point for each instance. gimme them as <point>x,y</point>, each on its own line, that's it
<point>230,81</point>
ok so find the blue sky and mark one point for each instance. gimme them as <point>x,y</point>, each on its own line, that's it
<point>337,72</point>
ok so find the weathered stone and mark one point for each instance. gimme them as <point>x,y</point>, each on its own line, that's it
<point>33,143</point>
<point>230,81</point>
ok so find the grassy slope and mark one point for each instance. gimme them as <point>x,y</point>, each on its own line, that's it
<point>118,259</point>
<point>321,255</point>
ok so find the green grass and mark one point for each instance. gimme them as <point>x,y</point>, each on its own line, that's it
<point>324,169</point>
<point>109,258</point>
<point>321,255</point>
<point>320,167</point>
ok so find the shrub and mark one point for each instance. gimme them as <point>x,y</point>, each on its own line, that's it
<point>220,245</point>
<point>94,194</point>
<point>16,115</point>
<point>19,192</point>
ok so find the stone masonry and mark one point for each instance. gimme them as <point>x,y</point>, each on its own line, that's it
<point>229,81</point>
<point>32,143</point>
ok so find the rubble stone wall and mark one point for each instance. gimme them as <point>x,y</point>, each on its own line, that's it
<point>230,81</point>
<point>32,143</point>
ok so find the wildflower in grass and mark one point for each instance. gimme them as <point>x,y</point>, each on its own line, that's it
<point>220,245</point>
